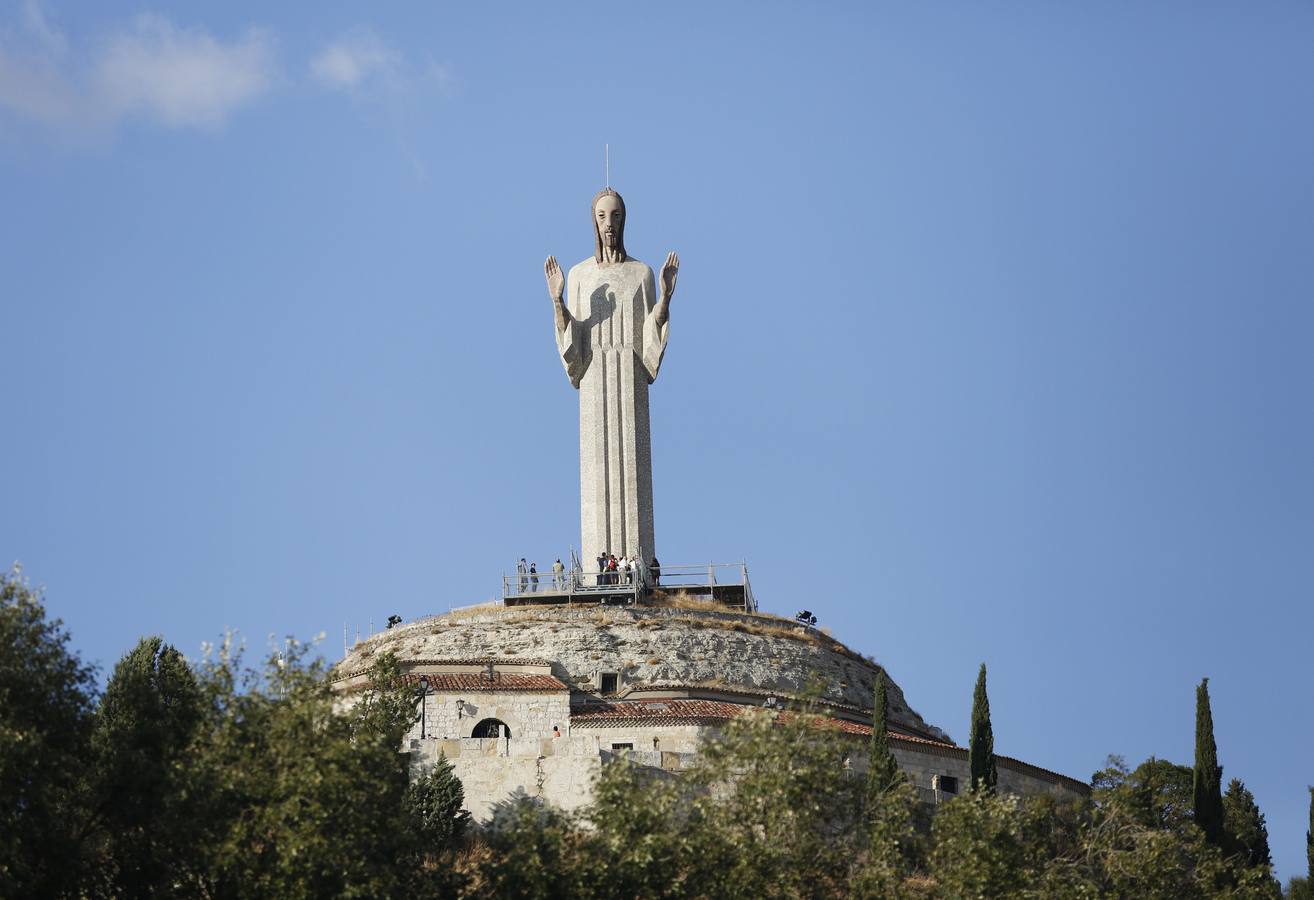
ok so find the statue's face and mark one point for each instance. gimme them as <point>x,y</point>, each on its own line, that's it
<point>609,217</point>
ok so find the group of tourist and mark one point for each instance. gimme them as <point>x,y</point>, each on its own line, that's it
<point>625,569</point>
<point>527,576</point>
<point>611,570</point>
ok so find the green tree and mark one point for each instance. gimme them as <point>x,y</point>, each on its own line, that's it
<point>890,812</point>
<point>46,697</point>
<point>1156,795</point>
<point>144,813</point>
<point>882,769</point>
<point>982,744</point>
<point>1207,785</point>
<point>434,804</point>
<point>1142,841</point>
<point>1245,824</point>
<point>306,796</point>
<point>775,789</point>
<point>984,845</point>
<point>648,836</point>
<point>1303,888</point>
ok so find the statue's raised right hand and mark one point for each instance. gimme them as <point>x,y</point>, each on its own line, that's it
<point>556,282</point>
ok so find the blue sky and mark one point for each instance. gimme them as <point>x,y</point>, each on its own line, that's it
<point>992,339</point>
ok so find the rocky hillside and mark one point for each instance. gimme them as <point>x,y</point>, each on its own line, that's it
<point>647,645</point>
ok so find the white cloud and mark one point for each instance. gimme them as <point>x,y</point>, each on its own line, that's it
<point>354,58</point>
<point>182,77</point>
<point>40,29</point>
<point>154,70</point>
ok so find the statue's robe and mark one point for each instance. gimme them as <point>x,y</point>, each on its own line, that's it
<point>612,348</point>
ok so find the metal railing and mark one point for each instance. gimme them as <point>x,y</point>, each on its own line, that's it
<point>555,586</point>
<point>710,575</point>
<point>575,583</point>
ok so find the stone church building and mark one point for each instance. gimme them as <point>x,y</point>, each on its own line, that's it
<point>534,700</point>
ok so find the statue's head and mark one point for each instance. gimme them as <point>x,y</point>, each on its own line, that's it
<point>609,224</point>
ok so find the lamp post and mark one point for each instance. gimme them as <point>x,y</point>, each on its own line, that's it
<point>423,694</point>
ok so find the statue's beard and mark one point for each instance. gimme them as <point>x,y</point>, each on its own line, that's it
<point>609,246</point>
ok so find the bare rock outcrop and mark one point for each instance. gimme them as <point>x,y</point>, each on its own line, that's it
<point>649,646</point>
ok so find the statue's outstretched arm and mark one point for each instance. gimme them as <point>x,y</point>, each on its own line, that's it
<point>656,325</point>
<point>670,269</point>
<point>556,283</point>
<point>571,343</point>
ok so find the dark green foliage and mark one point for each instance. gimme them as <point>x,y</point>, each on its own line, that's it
<point>1141,841</point>
<point>1303,888</point>
<point>1246,829</point>
<point>222,781</point>
<point>985,845</point>
<point>433,806</point>
<point>882,769</point>
<point>1207,785</point>
<point>1156,795</point>
<point>303,801</point>
<point>46,696</point>
<point>145,812</point>
<point>790,823</point>
<point>982,746</point>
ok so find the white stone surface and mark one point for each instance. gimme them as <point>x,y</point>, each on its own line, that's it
<point>650,645</point>
<point>612,350</point>
<point>562,771</point>
<point>529,714</point>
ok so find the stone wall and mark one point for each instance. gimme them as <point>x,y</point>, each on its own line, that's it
<point>529,714</point>
<point>492,771</point>
<point>562,770</point>
<point>1013,778</point>
<point>647,646</point>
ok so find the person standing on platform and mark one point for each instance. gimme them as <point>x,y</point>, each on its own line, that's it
<point>521,579</point>
<point>655,570</point>
<point>624,566</point>
<point>533,577</point>
<point>558,579</point>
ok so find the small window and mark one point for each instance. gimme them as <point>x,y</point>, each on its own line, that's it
<point>621,748</point>
<point>609,680</point>
<point>947,784</point>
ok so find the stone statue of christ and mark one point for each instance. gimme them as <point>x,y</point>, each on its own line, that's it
<point>611,332</point>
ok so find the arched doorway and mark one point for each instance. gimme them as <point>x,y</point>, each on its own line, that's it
<point>491,728</point>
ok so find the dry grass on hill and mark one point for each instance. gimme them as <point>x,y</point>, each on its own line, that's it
<point>756,623</point>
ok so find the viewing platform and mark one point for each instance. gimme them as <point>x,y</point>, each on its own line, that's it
<point>724,583</point>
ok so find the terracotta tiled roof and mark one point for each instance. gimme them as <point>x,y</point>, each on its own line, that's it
<point>707,712</point>
<point>671,711</point>
<point>478,681</point>
<point>759,695</point>
<point>626,711</point>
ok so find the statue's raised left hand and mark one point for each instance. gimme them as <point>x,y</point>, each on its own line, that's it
<point>670,269</point>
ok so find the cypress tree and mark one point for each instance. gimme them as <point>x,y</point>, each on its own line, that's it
<point>1207,781</point>
<point>1309,838</point>
<point>982,747</point>
<point>882,770</point>
<point>434,805</point>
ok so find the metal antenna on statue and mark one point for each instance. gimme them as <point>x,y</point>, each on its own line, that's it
<point>606,162</point>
